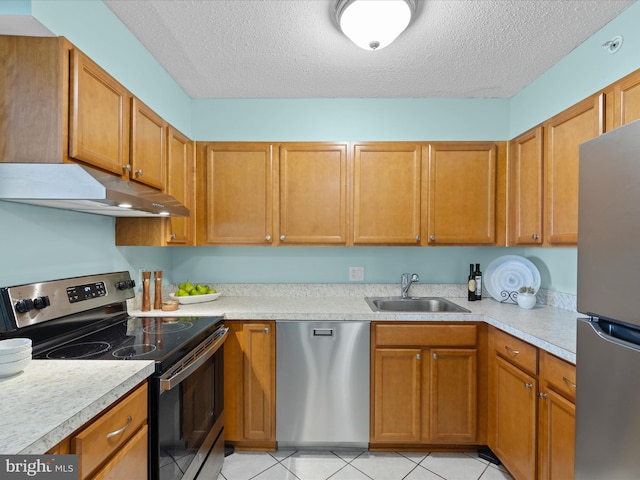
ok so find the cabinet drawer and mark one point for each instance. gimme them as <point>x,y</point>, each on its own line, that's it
<point>99,440</point>
<point>422,335</point>
<point>130,462</point>
<point>517,351</point>
<point>559,374</point>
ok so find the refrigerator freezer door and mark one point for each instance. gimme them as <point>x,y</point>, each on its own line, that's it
<point>607,406</point>
<point>609,225</point>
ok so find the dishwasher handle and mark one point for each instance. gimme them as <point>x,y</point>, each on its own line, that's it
<point>323,332</point>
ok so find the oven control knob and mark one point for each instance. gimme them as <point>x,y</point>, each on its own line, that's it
<point>125,284</point>
<point>24,306</point>
<point>41,302</point>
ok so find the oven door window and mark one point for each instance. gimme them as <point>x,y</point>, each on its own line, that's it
<point>189,421</point>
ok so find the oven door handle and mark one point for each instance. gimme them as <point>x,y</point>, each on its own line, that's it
<point>178,373</point>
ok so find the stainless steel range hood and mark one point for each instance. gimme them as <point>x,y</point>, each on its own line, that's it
<point>83,189</point>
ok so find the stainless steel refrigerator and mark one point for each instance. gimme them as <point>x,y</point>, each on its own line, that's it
<point>608,355</point>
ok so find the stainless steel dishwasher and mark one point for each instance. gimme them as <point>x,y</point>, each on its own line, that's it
<point>322,384</point>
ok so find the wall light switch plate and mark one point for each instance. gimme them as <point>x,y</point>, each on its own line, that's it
<point>356,274</point>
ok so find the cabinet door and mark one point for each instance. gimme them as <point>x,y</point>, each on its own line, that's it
<point>180,185</point>
<point>313,193</point>
<point>386,206</point>
<point>461,188</point>
<point>514,419</point>
<point>259,381</point>
<point>556,436</point>
<point>563,135</point>
<point>98,116</point>
<point>626,101</point>
<point>526,189</point>
<point>452,396</point>
<point>238,194</point>
<point>148,146</point>
<point>397,395</point>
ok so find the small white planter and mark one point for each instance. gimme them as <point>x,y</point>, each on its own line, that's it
<point>526,300</point>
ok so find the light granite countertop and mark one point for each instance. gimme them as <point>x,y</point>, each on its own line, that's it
<point>50,399</point>
<point>547,327</point>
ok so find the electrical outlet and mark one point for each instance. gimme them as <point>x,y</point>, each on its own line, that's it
<point>356,274</point>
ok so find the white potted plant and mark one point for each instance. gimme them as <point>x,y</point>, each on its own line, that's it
<point>526,297</point>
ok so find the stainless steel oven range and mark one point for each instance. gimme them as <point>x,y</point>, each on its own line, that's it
<point>86,318</point>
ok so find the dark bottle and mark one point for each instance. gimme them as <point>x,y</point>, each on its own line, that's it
<point>471,284</point>
<point>478,278</point>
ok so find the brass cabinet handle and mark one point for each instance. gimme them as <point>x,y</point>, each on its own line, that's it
<point>120,430</point>
<point>511,350</point>
<point>568,382</point>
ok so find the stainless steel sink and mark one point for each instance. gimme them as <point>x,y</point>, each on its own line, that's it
<point>413,304</point>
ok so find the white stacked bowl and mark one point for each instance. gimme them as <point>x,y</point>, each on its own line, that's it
<point>15,355</point>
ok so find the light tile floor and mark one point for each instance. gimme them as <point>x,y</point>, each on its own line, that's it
<point>358,465</point>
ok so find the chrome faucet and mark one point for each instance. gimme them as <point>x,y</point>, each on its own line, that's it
<point>405,283</point>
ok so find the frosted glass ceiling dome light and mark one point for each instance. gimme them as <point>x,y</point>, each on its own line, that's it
<point>374,24</point>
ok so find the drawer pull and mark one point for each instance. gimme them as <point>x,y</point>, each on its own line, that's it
<point>528,386</point>
<point>542,395</point>
<point>511,350</point>
<point>568,382</point>
<point>120,430</point>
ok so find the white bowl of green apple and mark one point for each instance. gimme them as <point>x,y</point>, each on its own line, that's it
<point>194,293</point>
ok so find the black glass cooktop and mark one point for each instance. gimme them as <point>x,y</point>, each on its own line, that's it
<point>162,339</point>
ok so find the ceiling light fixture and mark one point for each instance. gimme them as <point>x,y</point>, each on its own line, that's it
<point>373,24</point>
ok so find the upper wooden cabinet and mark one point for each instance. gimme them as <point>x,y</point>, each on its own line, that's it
<point>563,135</point>
<point>624,98</point>
<point>313,193</point>
<point>460,193</point>
<point>99,116</point>
<point>235,193</point>
<point>386,193</point>
<point>172,231</point>
<point>525,196</point>
<point>148,156</point>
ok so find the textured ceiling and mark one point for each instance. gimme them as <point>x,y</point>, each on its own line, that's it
<point>292,48</point>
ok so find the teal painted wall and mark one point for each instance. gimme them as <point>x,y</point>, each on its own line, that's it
<point>351,119</point>
<point>39,243</point>
<point>584,71</point>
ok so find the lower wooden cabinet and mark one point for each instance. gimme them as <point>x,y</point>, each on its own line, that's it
<point>249,384</point>
<point>514,419</point>
<point>557,422</point>
<point>424,384</point>
<point>113,445</point>
<point>532,410</point>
